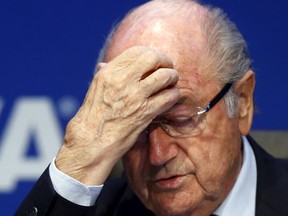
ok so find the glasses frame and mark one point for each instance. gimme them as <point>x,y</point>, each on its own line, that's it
<point>216,99</point>
<point>206,109</point>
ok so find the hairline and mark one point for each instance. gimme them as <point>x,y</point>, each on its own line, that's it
<point>214,16</point>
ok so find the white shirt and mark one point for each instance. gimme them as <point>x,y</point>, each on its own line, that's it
<point>243,192</point>
<point>242,198</point>
<point>71,189</point>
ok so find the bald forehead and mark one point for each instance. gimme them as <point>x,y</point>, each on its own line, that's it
<point>171,21</point>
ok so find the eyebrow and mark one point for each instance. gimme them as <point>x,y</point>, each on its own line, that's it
<point>181,101</point>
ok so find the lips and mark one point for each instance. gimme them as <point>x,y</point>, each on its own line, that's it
<point>170,182</point>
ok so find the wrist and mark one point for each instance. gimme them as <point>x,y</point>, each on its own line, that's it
<point>83,168</point>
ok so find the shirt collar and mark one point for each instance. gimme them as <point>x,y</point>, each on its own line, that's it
<point>242,198</point>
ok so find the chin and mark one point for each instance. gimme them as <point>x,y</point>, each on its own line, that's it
<point>172,211</point>
<point>168,205</point>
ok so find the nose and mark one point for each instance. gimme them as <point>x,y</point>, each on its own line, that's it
<point>162,147</point>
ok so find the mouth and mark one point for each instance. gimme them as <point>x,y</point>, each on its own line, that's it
<point>171,182</point>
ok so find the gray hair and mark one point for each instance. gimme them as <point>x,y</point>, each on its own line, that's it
<point>225,50</point>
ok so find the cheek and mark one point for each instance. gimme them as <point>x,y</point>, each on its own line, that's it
<point>134,158</point>
<point>222,135</point>
<point>134,161</point>
<point>216,154</point>
<point>135,168</point>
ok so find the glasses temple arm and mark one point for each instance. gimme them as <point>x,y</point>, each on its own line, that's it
<point>217,98</point>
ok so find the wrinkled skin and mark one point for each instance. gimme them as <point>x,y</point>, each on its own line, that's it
<point>122,100</point>
<point>171,176</point>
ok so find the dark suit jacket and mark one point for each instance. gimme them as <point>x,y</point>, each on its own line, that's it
<point>117,199</point>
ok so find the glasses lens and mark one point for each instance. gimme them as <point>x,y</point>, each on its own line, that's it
<point>183,124</point>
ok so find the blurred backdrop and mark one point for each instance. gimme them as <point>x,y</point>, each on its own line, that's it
<point>48,51</point>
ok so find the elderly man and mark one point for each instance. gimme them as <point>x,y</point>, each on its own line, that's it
<point>173,97</point>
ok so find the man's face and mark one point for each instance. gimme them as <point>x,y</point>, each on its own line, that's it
<point>192,174</point>
<point>181,176</point>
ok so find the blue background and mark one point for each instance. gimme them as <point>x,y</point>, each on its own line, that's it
<point>49,48</point>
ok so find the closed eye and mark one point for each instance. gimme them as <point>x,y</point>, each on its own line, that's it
<point>180,121</point>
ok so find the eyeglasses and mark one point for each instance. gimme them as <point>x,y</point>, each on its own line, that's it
<point>187,121</point>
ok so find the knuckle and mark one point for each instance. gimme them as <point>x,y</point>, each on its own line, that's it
<point>152,57</point>
<point>167,75</point>
<point>105,78</point>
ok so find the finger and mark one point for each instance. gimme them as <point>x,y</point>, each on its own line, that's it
<point>150,61</point>
<point>162,101</point>
<point>159,80</point>
<point>138,62</point>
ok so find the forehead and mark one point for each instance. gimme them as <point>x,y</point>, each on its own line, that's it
<point>196,89</point>
<point>180,39</point>
<point>168,31</point>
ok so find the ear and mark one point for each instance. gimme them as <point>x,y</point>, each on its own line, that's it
<point>245,91</point>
